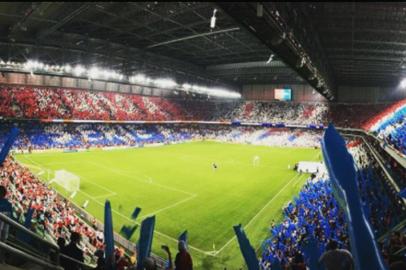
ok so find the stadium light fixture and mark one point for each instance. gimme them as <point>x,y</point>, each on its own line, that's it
<point>403,83</point>
<point>270,59</point>
<point>165,83</point>
<point>219,92</point>
<point>186,86</point>
<point>67,68</point>
<point>93,72</point>
<point>213,19</point>
<point>139,78</point>
<point>78,70</point>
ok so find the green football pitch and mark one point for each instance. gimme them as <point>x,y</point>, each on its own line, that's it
<point>178,184</point>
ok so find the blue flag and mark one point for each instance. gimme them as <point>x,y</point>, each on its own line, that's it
<point>128,231</point>
<point>311,251</point>
<point>109,237</point>
<point>247,250</point>
<point>342,173</point>
<point>183,237</point>
<point>402,193</point>
<point>145,241</point>
<point>8,144</point>
<point>135,213</point>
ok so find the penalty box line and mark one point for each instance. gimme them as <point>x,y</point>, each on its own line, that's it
<point>260,211</point>
<point>110,194</point>
<point>192,195</point>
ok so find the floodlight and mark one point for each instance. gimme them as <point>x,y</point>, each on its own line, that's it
<point>403,83</point>
<point>186,86</point>
<point>213,19</point>
<point>270,59</point>
<point>67,68</point>
<point>78,70</point>
<point>93,72</point>
<point>165,83</point>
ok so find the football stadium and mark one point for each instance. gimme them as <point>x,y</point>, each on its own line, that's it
<point>203,135</point>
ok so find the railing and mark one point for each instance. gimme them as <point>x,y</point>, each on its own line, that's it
<point>28,246</point>
<point>31,248</point>
<point>4,248</point>
<point>82,265</point>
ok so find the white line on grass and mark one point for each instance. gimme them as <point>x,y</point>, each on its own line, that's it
<point>138,178</point>
<point>260,211</point>
<point>157,232</point>
<point>94,198</point>
<point>192,195</point>
<point>111,194</point>
<point>169,206</point>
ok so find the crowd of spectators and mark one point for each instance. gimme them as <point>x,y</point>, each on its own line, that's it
<point>393,131</point>
<point>353,115</point>
<point>314,213</point>
<point>55,103</point>
<point>382,205</point>
<point>397,171</point>
<point>73,136</point>
<point>278,112</point>
<point>46,103</point>
<point>52,217</point>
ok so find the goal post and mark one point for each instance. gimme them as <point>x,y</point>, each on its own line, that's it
<point>67,180</point>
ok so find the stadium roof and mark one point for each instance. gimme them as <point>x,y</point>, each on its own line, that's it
<point>325,44</point>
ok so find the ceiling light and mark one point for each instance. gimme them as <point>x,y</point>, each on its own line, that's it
<point>93,72</point>
<point>78,70</point>
<point>186,86</point>
<point>213,19</point>
<point>270,59</point>
<point>165,83</point>
<point>403,84</point>
<point>67,68</point>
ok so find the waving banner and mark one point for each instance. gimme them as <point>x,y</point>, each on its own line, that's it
<point>340,165</point>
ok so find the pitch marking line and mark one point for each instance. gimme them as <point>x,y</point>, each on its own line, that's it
<point>169,206</point>
<point>211,253</point>
<point>134,176</point>
<point>110,194</point>
<point>39,166</point>
<point>260,211</point>
<point>105,195</point>
<point>94,198</point>
<point>156,231</point>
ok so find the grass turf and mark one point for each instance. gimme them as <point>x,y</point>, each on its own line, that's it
<point>178,184</point>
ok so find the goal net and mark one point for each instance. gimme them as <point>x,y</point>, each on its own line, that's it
<point>69,181</point>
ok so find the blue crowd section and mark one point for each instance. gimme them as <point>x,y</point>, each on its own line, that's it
<point>37,135</point>
<point>314,212</point>
<point>42,136</point>
<point>393,130</point>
